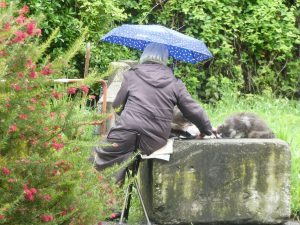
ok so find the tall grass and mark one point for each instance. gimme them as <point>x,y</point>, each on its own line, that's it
<point>282,115</point>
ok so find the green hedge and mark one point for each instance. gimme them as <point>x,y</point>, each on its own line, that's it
<point>255,43</point>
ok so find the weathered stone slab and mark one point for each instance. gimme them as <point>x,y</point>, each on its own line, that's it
<point>228,181</point>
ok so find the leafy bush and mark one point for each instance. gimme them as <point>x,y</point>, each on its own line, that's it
<point>254,43</point>
<point>45,176</point>
<point>71,16</point>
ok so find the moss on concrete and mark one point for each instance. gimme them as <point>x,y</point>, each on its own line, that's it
<point>221,180</point>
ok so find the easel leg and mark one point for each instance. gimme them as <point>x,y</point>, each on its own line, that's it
<point>125,204</point>
<point>141,200</point>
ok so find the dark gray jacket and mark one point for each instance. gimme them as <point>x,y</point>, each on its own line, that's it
<point>147,98</point>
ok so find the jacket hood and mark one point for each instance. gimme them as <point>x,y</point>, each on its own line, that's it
<point>156,75</point>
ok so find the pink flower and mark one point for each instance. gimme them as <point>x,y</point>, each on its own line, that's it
<point>92,97</point>
<point>38,32</point>
<point>33,141</point>
<point>64,212</point>
<point>6,27</point>
<point>55,173</point>
<point>16,87</point>
<point>56,95</point>
<point>46,218</point>
<point>2,4</point>
<point>47,70</point>
<point>30,28</point>
<point>24,10</point>
<point>5,171</point>
<point>57,146</point>
<point>30,64</point>
<point>2,216</point>
<point>33,74</point>
<point>31,107</point>
<point>33,190</point>
<point>47,197</point>
<point>23,116</point>
<point>29,193</point>
<point>33,100</point>
<point>72,90</point>
<point>21,75</point>
<point>3,53</point>
<point>84,88</point>
<point>13,128</point>
<point>21,19</point>
<point>52,114</point>
<point>60,162</point>
<point>20,36</point>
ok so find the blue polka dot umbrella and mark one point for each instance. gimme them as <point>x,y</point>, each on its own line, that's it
<point>180,46</point>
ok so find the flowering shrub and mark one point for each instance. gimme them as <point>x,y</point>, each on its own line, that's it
<point>45,176</point>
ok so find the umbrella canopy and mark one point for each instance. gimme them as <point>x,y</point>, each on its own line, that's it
<point>180,46</point>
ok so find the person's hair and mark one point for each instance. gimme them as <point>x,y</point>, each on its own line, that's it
<point>155,53</point>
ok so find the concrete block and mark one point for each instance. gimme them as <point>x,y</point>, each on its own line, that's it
<point>228,181</point>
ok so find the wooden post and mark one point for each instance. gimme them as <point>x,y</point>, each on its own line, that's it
<point>87,59</point>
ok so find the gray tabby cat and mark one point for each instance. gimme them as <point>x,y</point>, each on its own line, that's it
<point>244,125</point>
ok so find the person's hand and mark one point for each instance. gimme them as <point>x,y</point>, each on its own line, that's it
<point>200,136</point>
<point>212,136</point>
<point>214,131</point>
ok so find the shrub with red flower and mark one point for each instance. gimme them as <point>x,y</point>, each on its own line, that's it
<point>13,128</point>
<point>23,116</point>
<point>47,70</point>
<point>2,4</point>
<point>46,218</point>
<point>47,197</point>
<point>84,89</point>
<point>5,171</point>
<point>57,146</point>
<point>30,28</point>
<point>41,174</point>
<point>72,90</point>
<point>56,94</point>
<point>29,193</point>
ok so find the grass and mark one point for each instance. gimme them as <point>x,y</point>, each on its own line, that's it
<point>283,117</point>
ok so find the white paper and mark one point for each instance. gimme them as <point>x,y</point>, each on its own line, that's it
<point>162,153</point>
<point>65,80</point>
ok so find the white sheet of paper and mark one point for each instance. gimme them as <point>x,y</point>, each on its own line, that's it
<point>162,153</point>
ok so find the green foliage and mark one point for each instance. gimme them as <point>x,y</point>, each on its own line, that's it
<point>99,16</point>
<point>254,43</point>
